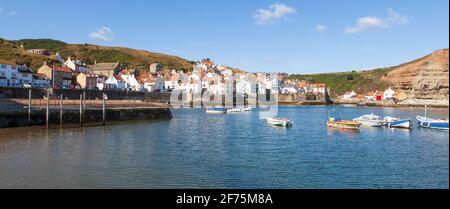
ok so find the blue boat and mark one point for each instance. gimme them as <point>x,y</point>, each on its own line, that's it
<point>432,123</point>
<point>392,122</point>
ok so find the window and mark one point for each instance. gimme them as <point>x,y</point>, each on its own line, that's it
<point>3,66</point>
<point>2,74</point>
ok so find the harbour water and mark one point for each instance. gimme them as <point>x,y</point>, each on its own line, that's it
<point>196,150</point>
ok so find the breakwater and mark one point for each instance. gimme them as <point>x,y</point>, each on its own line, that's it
<point>74,94</point>
<point>91,116</point>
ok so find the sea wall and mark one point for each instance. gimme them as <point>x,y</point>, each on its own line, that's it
<point>74,94</point>
<point>20,118</point>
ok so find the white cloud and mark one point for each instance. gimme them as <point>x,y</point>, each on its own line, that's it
<point>1,10</point>
<point>13,13</point>
<point>273,14</point>
<point>104,34</point>
<point>321,28</point>
<point>370,22</point>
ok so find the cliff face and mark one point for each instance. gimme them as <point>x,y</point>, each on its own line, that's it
<point>425,78</point>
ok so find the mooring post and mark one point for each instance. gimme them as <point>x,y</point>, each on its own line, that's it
<point>47,114</point>
<point>84,99</point>
<point>104,109</point>
<point>81,110</point>
<point>29,106</point>
<point>61,111</point>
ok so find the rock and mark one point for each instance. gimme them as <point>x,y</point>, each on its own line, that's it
<point>425,78</point>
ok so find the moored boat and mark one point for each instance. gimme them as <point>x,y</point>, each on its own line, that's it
<point>343,124</point>
<point>425,122</point>
<point>393,122</point>
<point>282,122</point>
<point>246,109</point>
<point>234,110</point>
<point>371,120</point>
<point>216,110</point>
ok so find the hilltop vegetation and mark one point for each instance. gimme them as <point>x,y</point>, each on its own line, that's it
<point>11,52</point>
<point>49,44</point>
<point>360,81</point>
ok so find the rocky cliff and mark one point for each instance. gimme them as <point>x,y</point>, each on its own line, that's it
<point>425,78</point>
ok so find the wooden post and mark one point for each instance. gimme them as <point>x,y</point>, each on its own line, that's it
<point>104,110</point>
<point>84,99</point>
<point>81,110</point>
<point>47,114</point>
<point>61,111</point>
<point>29,107</point>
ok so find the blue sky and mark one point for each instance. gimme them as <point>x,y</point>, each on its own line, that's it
<point>294,36</point>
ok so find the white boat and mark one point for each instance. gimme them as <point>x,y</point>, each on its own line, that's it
<point>246,109</point>
<point>216,110</point>
<point>282,122</point>
<point>371,120</point>
<point>393,122</point>
<point>234,110</point>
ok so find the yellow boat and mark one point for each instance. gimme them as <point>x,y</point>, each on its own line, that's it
<point>343,124</point>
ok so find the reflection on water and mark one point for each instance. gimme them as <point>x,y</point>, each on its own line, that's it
<point>196,150</point>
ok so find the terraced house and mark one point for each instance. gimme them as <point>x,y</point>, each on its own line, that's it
<point>15,76</point>
<point>106,69</point>
<point>61,76</point>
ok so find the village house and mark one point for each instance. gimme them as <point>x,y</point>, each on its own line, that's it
<point>148,81</point>
<point>40,81</point>
<point>107,69</point>
<point>160,83</point>
<point>61,77</point>
<point>174,79</point>
<point>87,80</point>
<point>43,52</point>
<point>132,83</point>
<point>156,68</point>
<point>289,89</point>
<point>15,76</point>
<point>349,95</point>
<point>195,85</point>
<point>76,66</point>
<point>319,88</point>
<point>115,82</point>
<point>388,94</point>
<point>101,79</point>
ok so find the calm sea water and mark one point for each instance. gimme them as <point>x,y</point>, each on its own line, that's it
<point>195,150</point>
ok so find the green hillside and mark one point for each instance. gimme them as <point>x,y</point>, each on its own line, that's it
<point>49,44</point>
<point>360,81</point>
<point>11,52</point>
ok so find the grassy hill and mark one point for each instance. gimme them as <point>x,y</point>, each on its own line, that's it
<point>12,53</point>
<point>360,81</point>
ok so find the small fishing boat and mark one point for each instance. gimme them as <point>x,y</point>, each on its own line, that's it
<point>392,122</point>
<point>216,110</point>
<point>371,120</point>
<point>246,109</point>
<point>234,110</point>
<point>425,122</point>
<point>343,124</point>
<point>282,122</point>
